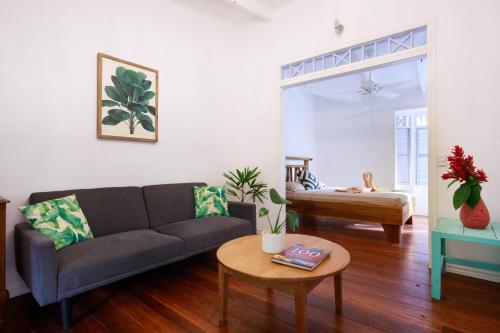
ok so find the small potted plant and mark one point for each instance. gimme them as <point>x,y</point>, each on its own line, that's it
<point>273,240</point>
<point>473,212</point>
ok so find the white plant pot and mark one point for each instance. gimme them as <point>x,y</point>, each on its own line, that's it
<point>273,243</point>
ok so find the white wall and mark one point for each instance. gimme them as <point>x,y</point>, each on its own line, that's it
<point>48,66</point>
<point>344,139</point>
<point>467,107</point>
<point>353,138</point>
<point>299,124</point>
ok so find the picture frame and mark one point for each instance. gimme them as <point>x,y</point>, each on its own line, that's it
<point>127,100</point>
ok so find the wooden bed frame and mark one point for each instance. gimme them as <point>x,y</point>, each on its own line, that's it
<point>392,218</point>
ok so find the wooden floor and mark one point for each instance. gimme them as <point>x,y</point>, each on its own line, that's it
<point>386,289</point>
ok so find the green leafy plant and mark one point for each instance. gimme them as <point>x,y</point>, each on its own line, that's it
<point>129,100</point>
<point>244,183</point>
<point>291,218</point>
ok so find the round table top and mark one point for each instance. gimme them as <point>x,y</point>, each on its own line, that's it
<point>245,256</point>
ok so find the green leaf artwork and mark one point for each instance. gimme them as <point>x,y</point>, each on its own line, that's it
<point>61,220</point>
<point>129,98</point>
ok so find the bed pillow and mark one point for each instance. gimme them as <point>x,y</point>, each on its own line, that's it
<point>61,220</point>
<point>307,179</point>
<point>294,187</point>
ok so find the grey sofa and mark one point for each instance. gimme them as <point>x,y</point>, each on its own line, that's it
<point>135,229</point>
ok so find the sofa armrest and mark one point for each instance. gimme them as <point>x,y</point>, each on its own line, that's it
<point>245,211</point>
<point>36,262</point>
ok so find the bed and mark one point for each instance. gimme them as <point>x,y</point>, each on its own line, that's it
<point>391,209</point>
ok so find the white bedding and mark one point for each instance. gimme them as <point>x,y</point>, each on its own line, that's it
<point>404,197</point>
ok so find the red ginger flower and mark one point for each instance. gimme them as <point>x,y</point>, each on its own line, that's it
<point>446,176</point>
<point>481,176</point>
<point>462,167</point>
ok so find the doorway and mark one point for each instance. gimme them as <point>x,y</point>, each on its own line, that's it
<point>404,44</point>
<point>373,120</point>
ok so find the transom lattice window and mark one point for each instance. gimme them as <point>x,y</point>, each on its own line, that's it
<point>387,45</point>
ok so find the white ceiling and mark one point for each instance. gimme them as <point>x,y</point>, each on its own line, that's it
<point>235,10</point>
<point>397,79</point>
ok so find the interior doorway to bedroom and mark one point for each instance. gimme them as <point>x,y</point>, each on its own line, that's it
<point>373,120</point>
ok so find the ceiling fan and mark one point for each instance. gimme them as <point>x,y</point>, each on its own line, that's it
<point>372,88</point>
<point>368,88</point>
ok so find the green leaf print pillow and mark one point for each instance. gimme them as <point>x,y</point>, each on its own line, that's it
<point>210,201</point>
<point>61,220</point>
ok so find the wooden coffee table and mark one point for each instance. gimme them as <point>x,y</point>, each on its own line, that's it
<point>243,257</point>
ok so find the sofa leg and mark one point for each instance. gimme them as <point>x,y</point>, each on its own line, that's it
<point>172,270</point>
<point>65,314</point>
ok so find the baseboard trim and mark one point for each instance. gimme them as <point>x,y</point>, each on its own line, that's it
<point>18,289</point>
<point>473,272</point>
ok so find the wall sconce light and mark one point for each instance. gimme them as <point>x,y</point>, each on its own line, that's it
<point>339,28</point>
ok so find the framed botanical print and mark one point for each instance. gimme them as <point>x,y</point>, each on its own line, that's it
<point>127,100</point>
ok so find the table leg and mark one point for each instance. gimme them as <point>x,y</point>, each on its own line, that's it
<point>443,253</point>
<point>301,311</point>
<point>337,279</point>
<point>223,283</point>
<point>436,265</point>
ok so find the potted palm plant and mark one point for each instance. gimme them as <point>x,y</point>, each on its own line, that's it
<point>273,240</point>
<point>243,184</point>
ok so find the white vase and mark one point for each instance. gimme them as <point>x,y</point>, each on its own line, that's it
<point>273,243</point>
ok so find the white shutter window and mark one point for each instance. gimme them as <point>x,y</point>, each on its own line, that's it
<point>421,167</point>
<point>403,155</point>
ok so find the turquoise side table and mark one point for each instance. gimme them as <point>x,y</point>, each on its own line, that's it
<point>453,229</point>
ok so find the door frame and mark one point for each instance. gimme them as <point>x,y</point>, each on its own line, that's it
<point>428,50</point>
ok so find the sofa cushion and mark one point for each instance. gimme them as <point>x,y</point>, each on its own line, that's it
<point>108,210</point>
<point>169,203</point>
<point>62,220</point>
<point>99,261</point>
<point>207,233</point>
<point>309,180</point>
<point>210,201</point>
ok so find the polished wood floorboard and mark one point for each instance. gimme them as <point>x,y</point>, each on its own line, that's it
<point>386,288</point>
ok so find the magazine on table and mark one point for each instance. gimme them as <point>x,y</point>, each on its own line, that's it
<point>299,256</point>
